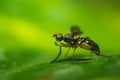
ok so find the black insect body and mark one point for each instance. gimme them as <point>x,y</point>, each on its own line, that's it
<point>74,41</point>
<point>68,38</point>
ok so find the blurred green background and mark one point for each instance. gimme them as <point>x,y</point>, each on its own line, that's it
<point>27,45</point>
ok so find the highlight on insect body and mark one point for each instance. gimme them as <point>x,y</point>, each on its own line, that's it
<point>74,41</point>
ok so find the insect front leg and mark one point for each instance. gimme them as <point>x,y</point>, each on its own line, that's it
<point>58,43</point>
<point>60,50</point>
<point>57,55</point>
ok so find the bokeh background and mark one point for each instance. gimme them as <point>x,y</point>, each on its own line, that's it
<point>27,45</point>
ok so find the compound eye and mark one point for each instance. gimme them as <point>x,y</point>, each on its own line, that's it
<point>59,37</point>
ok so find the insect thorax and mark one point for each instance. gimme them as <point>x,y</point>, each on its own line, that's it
<point>68,38</point>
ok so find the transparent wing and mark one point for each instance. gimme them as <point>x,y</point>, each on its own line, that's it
<point>75,30</point>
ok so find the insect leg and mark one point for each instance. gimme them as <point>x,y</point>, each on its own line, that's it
<point>67,51</point>
<point>73,55</point>
<point>58,43</point>
<point>60,50</point>
<point>57,55</point>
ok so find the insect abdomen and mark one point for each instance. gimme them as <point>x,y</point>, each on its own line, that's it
<point>95,47</point>
<point>88,44</point>
<point>85,45</point>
